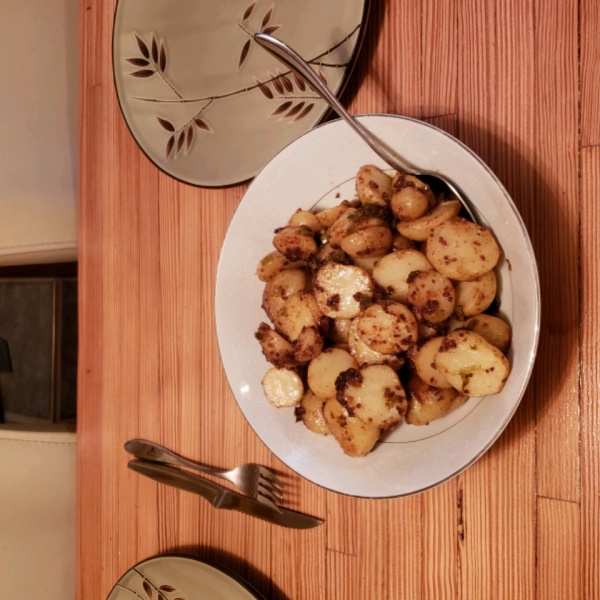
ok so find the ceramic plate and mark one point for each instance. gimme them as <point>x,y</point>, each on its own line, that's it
<point>208,105</point>
<point>319,169</point>
<point>181,578</point>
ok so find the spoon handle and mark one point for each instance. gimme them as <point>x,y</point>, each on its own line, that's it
<point>295,62</point>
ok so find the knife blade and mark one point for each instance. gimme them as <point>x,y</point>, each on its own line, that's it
<point>221,497</point>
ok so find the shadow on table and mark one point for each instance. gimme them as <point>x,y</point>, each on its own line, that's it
<point>237,566</point>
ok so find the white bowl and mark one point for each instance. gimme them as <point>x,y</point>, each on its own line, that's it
<point>312,170</point>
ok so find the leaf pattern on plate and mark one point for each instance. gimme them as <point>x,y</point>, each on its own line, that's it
<point>190,138</point>
<point>162,59</point>
<point>248,11</point>
<point>154,50</point>
<point>322,76</point>
<point>264,88</point>
<point>267,17</point>
<point>167,588</point>
<point>170,145</point>
<point>180,143</point>
<point>201,124</point>
<point>281,108</point>
<point>299,81</point>
<point>304,111</point>
<point>244,53</point>
<point>166,124</point>
<point>142,46</point>
<point>147,588</point>
<point>276,83</point>
<point>294,110</point>
<point>287,82</point>
<point>143,73</point>
<point>138,62</point>
<point>271,30</point>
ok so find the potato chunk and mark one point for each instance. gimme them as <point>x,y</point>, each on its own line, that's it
<point>355,437</point>
<point>280,288</point>
<point>356,219</point>
<point>274,262</point>
<point>308,344</point>
<point>373,185</point>
<point>372,241</point>
<point>374,395</point>
<point>427,403</point>
<point>300,310</point>
<point>304,218</point>
<point>423,360</point>
<point>412,198</point>
<point>342,290</point>
<point>420,229</point>
<point>310,412</point>
<point>277,350</point>
<point>392,272</point>
<point>365,355</point>
<point>388,327</point>
<point>325,368</point>
<point>496,331</point>
<point>471,364</point>
<point>282,387</point>
<point>295,243</point>
<point>431,296</point>
<point>476,296</point>
<point>462,250</point>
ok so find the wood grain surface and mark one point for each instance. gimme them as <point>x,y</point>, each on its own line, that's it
<point>517,81</point>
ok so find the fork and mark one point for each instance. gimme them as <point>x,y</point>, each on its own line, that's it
<point>254,480</point>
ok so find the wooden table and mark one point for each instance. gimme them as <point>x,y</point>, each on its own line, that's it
<point>517,81</point>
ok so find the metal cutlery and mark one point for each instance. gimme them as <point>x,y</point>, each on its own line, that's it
<point>256,481</point>
<point>221,497</point>
<point>291,59</point>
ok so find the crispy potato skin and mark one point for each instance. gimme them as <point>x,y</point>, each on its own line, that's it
<point>277,350</point>
<point>373,186</point>
<point>388,327</point>
<point>295,243</point>
<point>427,403</point>
<point>310,412</point>
<point>431,296</point>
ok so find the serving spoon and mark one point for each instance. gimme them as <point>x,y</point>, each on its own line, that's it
<point>294,61</point>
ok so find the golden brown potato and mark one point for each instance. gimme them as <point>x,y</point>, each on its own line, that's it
<point>355,437</point>
<point>471,364</point>
<point>477,295</point>
<point>496,331</point>
<point>325,369</point>
<point>310,412</point>
<point>369,242</point>
<point>295,243</point>
<point>327,253</point>
<point>342,290</point>
<point>388,327</point>
<point>393,271</point>
<point>431,296</point>
<point>374,395</point>
<point>274,262</point>
<point>308,344</point>
<point>356,219</point>
<point>373,186</point>
<point>423,360</point>
<point>412,198</point>
<point>420,229</point>
<point>282,387</point>
<point>329,216</point>
<point>462,250</point>
<point>366,356</point>
<point>278,289</point>
<point>427,403</point>
<point>399,242</point>
<point>304,218</point>
<point>368,263</point>
<point>300,310</point>
<point>277,350</point>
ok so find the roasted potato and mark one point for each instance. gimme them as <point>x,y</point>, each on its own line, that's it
<point>310,412</point>
<point>373,186</point>
<point>412,198</point>
<point>427,403</point>
<point>374,395</point>
<point>366,356</point>
<point>325,369</point>
<point>462,250</point>
<point>477,295</point>
<point>355,437</point>
<point>295,243</point>
<point>304,218</point>
<point>300,310</point>
<point>431,297</point>
<point>277,350</point>
<point>282,387</point>
<point>341,291</point>
<point>471,364</point>
<point>420,229</point>
<point>496,331</point>
<point>388,327</point>
<point>274,262</point>
<point>278,289</point>
<point>308,344</point>
<point>369,242</point>
<point>423,360</point>
<point>393,271</point>
<point>356,219</point>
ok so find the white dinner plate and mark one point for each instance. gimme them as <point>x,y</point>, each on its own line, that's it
<point>178,577</point>
<point>204,102</point>
<point>319,168</point>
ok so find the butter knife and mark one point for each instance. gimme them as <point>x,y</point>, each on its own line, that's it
<point>221,497</point>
